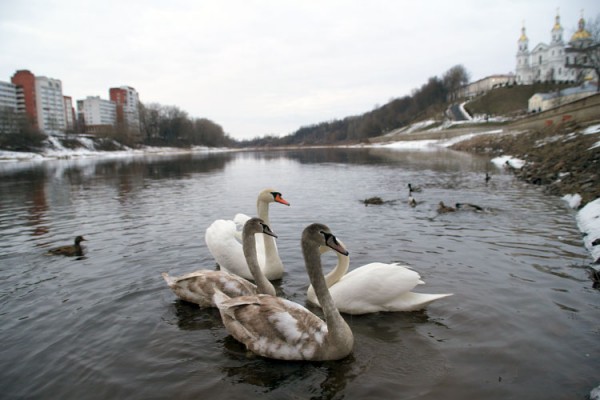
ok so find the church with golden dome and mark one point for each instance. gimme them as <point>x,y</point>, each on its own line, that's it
<point>546,62</point>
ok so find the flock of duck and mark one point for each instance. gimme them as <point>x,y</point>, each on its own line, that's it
<point>272,326</point>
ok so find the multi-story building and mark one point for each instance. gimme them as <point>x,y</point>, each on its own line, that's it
<point>8,96</point>
<point>547,62</point>
<point>70,120</point>
<point>26,95</point>
<point>128,110</point>
<point>96,114</point>
<point>8,108</point>
<point>41,99</point>
<point>50,105</point>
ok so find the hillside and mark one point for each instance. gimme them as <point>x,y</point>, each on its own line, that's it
<point>509,100</point>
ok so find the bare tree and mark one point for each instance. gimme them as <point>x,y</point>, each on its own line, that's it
<point>455,78</point>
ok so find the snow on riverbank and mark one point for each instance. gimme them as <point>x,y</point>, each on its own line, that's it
<point>509,161</point>
<point>64,153</point>
<point>588,221</point>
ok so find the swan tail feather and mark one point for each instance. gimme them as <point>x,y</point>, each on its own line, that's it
<point>219,298</point>
<point>169,279</point>
<point>415,301</point>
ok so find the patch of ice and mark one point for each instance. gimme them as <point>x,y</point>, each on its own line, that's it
<point>419,125</point>
<point>588,221</point>
<point>87,142</point>
<point>411,144</point>
<point>573,200</point>
<point>458,139</point>
<point>511,161</point>
<point>18,156</point>
<point>591,129</point>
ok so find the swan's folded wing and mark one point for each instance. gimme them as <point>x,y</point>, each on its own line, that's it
<point>240,220</point>
<point>274,327</point>
<point>370,287</point>
<point>226,249</point>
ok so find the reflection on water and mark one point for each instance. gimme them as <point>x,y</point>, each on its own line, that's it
<point>522,321</point>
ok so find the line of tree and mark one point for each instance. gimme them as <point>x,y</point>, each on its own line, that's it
<point>170,126</point>
<point>429,100</point>
<point>17,132</point>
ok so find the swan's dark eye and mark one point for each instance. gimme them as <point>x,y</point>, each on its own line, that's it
<point>267,230</point>
<point>276,194</point>
<point>328,236</point>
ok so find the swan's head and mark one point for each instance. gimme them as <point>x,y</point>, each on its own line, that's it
<point>320,235</point>
<point>257,225</point>
<point>79,239</point>
<point>272,196</point>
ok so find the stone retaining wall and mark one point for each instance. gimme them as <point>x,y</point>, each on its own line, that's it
<point>581,111</point>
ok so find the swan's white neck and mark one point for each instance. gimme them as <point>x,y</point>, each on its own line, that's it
<point>333,276</point>
<point>273,262</point>
<point>343,263</point>
<point>262,209</point>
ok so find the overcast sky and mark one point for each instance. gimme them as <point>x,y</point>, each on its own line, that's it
<point>271,66</point>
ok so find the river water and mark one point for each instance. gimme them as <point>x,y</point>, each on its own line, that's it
<point>523,323</point>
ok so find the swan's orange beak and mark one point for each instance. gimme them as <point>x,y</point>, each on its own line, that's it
<point>281,200</point>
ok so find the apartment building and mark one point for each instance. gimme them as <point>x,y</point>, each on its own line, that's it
<point>26,96</point>
<point>96,114</point>
<point>41,99</point>
<point>8,96</point>
<point>50,105</point>
<point>70,120</point>
<point>128,110</point>
<point>8,108</point>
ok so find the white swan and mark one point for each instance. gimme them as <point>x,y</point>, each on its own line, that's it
<point>223,240</point>
<point>373,288</point>
<point>278,328</point>
<point>199,286</point>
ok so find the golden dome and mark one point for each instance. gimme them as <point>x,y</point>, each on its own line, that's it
<point>523,37</point>
<point>581,33</point>
<point>556,26</point>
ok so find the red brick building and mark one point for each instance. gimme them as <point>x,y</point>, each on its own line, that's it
<point>26,99</point>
